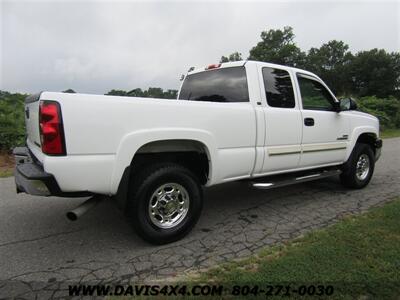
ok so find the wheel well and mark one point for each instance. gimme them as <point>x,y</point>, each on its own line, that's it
<point>367,138</point>
<point>190,154</point>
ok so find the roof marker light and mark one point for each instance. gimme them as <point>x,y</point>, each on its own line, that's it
<point>213,66</point>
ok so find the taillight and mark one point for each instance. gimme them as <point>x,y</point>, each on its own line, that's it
<point>213,66</point>
<point>51,128</point>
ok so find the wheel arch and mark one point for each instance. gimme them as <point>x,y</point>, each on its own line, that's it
<point>367,138</point>
<point>157,142</point>
<point>191,154</point>
<point>365,134</point>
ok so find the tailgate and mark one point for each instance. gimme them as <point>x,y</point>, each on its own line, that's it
<point>32,118</point>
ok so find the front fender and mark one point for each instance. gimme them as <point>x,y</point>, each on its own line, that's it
<point>356,134</point>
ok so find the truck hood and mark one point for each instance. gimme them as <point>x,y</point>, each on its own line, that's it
<point>362,114</point>
<point>361,119</point>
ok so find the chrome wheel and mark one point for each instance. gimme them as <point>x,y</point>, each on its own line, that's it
<point>168,205</point>
<point>362,168</point>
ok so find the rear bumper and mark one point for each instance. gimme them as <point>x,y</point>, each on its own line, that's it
<point>378,149</point>
<point>30,177</point>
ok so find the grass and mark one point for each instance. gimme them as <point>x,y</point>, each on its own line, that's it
<point>390,133</point>
<point>6,165</point>
<point>359,257</point>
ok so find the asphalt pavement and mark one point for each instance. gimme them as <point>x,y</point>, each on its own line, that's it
<point>38,244</point>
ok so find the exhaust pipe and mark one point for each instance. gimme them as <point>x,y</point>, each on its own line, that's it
<point>78,211</point>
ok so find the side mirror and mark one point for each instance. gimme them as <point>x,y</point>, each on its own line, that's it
<point>348,104</point>
<point>337,106</point>
<point>353,104</point>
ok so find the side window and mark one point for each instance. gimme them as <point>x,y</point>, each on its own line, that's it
<point>314,95</point>
<point>278,88</point>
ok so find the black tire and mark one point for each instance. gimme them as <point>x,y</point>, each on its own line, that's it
<point>145,184</point>
<point>349,177</point>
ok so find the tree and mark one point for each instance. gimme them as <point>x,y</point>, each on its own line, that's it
<point>171,94</point>
<point>151,92</point>
<point>235,56</point>
<point>332,62</point>
<point>70,91</point>
<point>154,92</point>
<point>116,93</point>
<point>376,72</point>
<point>12,125</point>
<point>135,93</point>
<point>277,46</point>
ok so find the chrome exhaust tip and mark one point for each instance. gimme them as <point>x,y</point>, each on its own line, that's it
<point>83,208</point>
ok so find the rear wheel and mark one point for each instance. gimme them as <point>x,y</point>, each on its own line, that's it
<point>359,168</point>
<point>165,203</point>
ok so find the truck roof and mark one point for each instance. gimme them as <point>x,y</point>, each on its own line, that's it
<point>240,63</point>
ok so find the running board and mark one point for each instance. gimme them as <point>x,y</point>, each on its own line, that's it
<point>284,182</point>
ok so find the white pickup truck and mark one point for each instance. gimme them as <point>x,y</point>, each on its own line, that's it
<point>268,124</point>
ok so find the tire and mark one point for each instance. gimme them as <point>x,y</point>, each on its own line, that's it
<point>165,203</point>
<point>358,170</point>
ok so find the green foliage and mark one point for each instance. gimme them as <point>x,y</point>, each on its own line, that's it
<point>332,62</point>
<point>278,46</point>
<point>390,133</point>
<point>386,109</point>
<point>12,126</point>
<point>6,172</point>
<point>116,93</point>
<point>366,73</point>
<point>359,256</point>
<point>236,56</point>
<point>12,119</point>
<point>152,92</point>
<point>70,91</point>
<point>375,72</point>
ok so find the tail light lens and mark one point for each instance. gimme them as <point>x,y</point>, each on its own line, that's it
<point>51,128</point>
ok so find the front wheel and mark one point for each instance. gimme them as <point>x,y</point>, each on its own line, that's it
<point>359,168</point>
<point>165,204</point>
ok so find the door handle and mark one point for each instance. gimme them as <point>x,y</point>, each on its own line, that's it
<point>309,121</point>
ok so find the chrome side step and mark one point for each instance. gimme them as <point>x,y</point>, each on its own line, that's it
<point>293,180</point>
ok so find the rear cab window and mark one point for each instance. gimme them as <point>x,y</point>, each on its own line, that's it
<point>217,85</point>
<point>278,88</point>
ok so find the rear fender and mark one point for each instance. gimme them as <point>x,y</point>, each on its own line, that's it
<point>132,142</point>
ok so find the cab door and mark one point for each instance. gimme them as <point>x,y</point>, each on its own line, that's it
<point>283,121</point>
<point>325,131</point>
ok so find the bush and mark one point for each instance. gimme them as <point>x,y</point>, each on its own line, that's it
<point>387,110</point>
<point>12,124</point>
